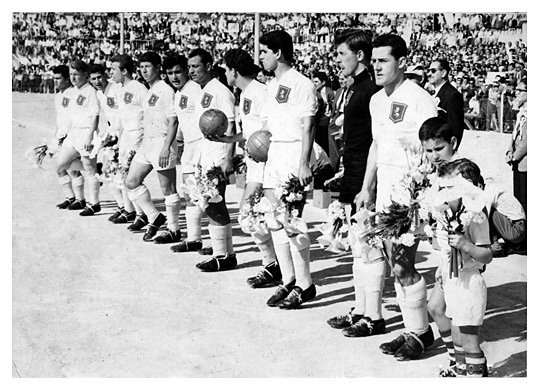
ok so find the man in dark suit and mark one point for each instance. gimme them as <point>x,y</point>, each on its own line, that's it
<point>325,96</point>
<point>450,101</point>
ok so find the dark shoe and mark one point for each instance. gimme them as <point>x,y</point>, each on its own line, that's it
<point>499,249</point>
<point>168,237</point>
<point>187,246</point>
<point>91,209</point>
<point>126,217</point>
<point>218,263</point>
<point>297,296</point>
<point>414,345</point>
<point>140,222</point>
<point>77,205</point>
<point>66,203</point>
<point>208,251</point>
<point>154,227</point>
<point>116,214</point>
<point>393,346</point>
<point>280,294</point>
<point>341,322</point>
<point>270,274</point>
<point>365,327</point>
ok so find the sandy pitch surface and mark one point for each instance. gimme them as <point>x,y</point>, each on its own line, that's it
<point>91,299</point>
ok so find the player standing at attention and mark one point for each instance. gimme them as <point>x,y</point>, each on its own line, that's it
<point>185,100</point>
<point>288,114</point>
<point>108,102</point>
<point>84,118</point>
<point>215,95</point>
<point>240,72</point>
<point>398,111</point>
<point>72,183</point>
<point>130,97</point>
<point>158,150</point>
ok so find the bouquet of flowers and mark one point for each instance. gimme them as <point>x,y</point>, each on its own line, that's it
<point>238,162</point>
<point>334,229</point>
<point>252,216</point>
<point>401,222</point>
<point>37,155</point>
<point>203,188</point>
<point>470,203</point>
<point>286,213</point>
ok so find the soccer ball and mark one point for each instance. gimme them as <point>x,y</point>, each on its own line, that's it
<point>213,122</point>
<point>258,144</point>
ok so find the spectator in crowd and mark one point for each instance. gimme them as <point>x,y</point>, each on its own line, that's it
<point>325,96</point>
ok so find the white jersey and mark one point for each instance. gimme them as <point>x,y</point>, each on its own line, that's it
<point>63,120</point>
<point>396,120</point>
<point>252,101</point>
<point>158,106</point>
<point>185,107</point>
<point>130,98</point>
<point>83,107</point>
<point>108,101</point>
<point>288,101</point>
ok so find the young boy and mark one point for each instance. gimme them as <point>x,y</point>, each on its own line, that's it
<point>465,294</point>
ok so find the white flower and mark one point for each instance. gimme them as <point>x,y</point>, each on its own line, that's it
<point>407,239</point>
<point>428,231</point>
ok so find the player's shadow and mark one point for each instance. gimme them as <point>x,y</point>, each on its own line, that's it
<point>331,297</point>
<point>514,366</point>
<point>506,314</point>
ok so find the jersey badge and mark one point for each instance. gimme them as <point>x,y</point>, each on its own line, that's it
<point>153,99</point>
<point>247,106</point>
<point>183,101</point>
<point>110,102</point>
<point>80,100</point>
<point>397,112</point>
<point>65,102</point>
<point>206,100</point>
<point>128,97</point>
<point>282,94</point>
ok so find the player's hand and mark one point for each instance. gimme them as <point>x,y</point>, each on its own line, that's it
<point>457,240</point>
<point>364,199</point>
<point>88,146</point>
<point>164,157</point>
<point>215,138</point>
<point>305,175</point>
<point>509,158</point>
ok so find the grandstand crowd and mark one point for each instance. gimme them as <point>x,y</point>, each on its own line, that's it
<point>479,46</point>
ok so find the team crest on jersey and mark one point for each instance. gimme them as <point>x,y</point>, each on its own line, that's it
<point>206,100</point>
<point>397,112</point>
<point>65,102</point>
<point>153,99</point>
<point>80,100</point>
<point>183,101</point>
<point>247,106</point>
<point>128,97</point>
<point>282,94</point>
<point>110,102</point>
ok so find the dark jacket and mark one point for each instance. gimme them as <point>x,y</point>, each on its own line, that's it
<point>451,108</point>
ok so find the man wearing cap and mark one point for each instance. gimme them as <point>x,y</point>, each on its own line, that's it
<point>449,99</point>
<point>416,73</point>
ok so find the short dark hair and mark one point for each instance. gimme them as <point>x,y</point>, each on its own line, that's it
<point>241,61</point>
<point>397,44</point>
<point>322,76</point>
<point>97,68</point>
<point>205,56</point>
<point>444,65</point>
<point>62,70</point>
<point>150,56</point>
<point>356,40</point>
<point>279,40</point>
<point>467,168</point>
<point>174,59</point>
<point>435,128</point>
<point>125,62</point>
<point>79,65</point>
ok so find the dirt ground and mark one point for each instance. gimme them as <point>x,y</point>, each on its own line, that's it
<point>92,300</point>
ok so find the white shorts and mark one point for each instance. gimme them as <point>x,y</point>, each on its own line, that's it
<point>150,149</point>
<point>191,156</point>
<point>76,139</point>
<point>255,170</point>
<point>212,153</point>
<point>466,298</point>
<point>130,140</point>
<point>283,161</point>
<point>387,188</point>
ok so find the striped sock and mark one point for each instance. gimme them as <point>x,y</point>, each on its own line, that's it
<point>448,341</point>
<point>476,364</point>
<point>460,358</point>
